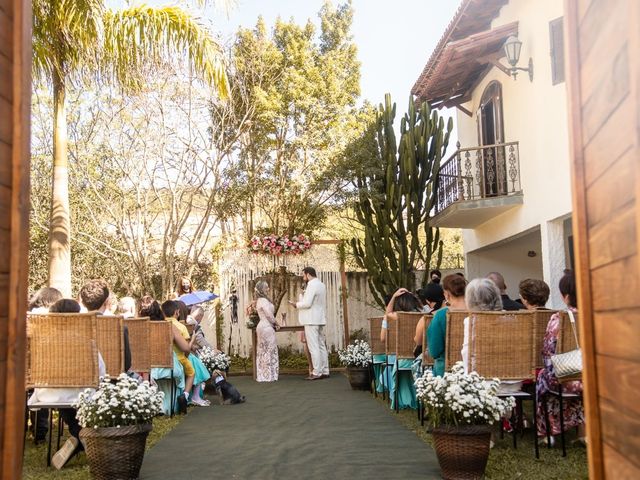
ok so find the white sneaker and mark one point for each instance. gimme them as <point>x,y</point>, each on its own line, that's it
<point>62,456</point>
<point>200,402</point>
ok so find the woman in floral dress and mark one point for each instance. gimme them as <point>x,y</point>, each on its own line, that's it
<point>547,380</point>
<point>267,362</point>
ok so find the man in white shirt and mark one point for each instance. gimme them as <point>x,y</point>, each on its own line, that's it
<point>312,314</point>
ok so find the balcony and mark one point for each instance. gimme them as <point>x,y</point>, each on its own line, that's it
<point>477,184</point>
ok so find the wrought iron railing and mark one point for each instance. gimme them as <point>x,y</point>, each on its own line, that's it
<point>479,172</point>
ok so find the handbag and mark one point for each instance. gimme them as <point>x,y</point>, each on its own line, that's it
<point>568,364</point>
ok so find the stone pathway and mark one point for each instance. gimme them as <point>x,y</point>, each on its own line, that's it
<point>292,429</point>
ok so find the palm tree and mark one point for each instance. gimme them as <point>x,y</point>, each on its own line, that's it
<point>75,38</point>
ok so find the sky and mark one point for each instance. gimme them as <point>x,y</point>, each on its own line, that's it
<point>394,37</point>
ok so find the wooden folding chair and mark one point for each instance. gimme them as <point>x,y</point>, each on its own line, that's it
<point>110,340</point>
<point>377,348</point>
<point>566,337</point>
<point>500,346</point>
<point>454,337</point>
<point>139,335</point>
<point>62,353</point>
<point>160,341</point>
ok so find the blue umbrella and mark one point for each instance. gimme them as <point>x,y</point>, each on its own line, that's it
<point>195,298</point>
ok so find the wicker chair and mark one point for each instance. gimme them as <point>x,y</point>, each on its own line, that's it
<point>160,341</point>
<point>566,342</point>
<point>62,351</point>
<point>427,359</point>
<point>139,343</point>
<point>110,341</point>
<point>454,337</point>
<point>566,338</point>
<point>501,346</point>
<point>405,329</point>
<point>377,348</point>
<point>540,321</point>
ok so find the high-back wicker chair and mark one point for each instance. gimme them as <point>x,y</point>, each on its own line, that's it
<point>375,325</point>
<point>405,333</point>
<point>62,350</point>
<point>501,344</point>
<point>540,321</point>
<point>139,343</point>
<point>160,344</point>
<point>111,343</point>
<point>390,344</point>
<point>427,359</point>
<point>454,337</point>
<point>566,338</point>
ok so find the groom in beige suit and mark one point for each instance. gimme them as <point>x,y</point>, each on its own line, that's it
<point>312,314</point>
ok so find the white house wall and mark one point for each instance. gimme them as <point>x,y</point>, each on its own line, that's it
<point>535,115</point>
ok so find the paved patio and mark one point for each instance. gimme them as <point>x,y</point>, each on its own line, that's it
<point>292,429</point>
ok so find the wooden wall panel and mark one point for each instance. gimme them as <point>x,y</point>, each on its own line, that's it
<point>618,178</point>
<point>15,96</point>
<point>603,64</point>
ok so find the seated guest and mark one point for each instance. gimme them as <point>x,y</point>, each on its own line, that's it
<point>127,307</point>
<point>111,305</point>
<point>183,311</point>
<point>182,348</point>
<point>547,380</point>
<point>481,294</point>
<point>150,308</point>
<point>40,302</point>
<point>534,293</point>
<point>435,276</point>
<point>196,316</point>
<point>432,297</point>
<point>507,303</point>
<point>454,288</point>
<point>43,299</point>
<point>65,396</point>
<point>93,296</point>
<point>401,301</point>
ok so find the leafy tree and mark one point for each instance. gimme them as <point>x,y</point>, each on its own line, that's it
<point>298,90</point>
<point>80,39</point>
<point>396,192</point>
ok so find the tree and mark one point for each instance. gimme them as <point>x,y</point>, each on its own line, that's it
<point>396,192</point>
<point>77,39</point>
<point>298,89</point>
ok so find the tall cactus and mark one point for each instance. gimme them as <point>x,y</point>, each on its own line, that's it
<point>396,192</point>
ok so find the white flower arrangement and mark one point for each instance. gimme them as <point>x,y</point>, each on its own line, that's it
<point>214,360</point>
<point>357,354</point>
<point>461,398</point>
<point>119,404</point>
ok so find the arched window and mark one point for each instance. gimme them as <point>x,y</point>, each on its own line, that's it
<point>490,127</point>
<point>491,132</point>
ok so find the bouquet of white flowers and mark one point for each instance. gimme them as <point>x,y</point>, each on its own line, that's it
<point>119,404</point>
<point>461,398</point>
<point>357,354</point>
<point>214,360</point>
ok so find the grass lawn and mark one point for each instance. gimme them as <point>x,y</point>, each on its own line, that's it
<point>505,462</point>
<point>35,457</point>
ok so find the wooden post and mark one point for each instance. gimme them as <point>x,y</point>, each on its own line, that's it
<point>345,305</point>
<point>15,103</point>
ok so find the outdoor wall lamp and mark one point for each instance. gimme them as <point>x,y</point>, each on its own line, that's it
<point>512,49</point>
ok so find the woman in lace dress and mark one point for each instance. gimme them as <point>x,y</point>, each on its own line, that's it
<point>267,363</point>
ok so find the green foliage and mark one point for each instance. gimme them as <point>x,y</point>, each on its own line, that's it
<point>396,193</point>
<point>359,334</point>
<point>293,94</point>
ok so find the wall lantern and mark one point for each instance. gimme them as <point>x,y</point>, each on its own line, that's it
<point>512,49</point>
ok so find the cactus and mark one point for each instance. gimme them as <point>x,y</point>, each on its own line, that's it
<point>396,192</point>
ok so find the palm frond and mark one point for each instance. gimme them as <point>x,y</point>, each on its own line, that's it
<point>65,35</point>
<point>142,35</point>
